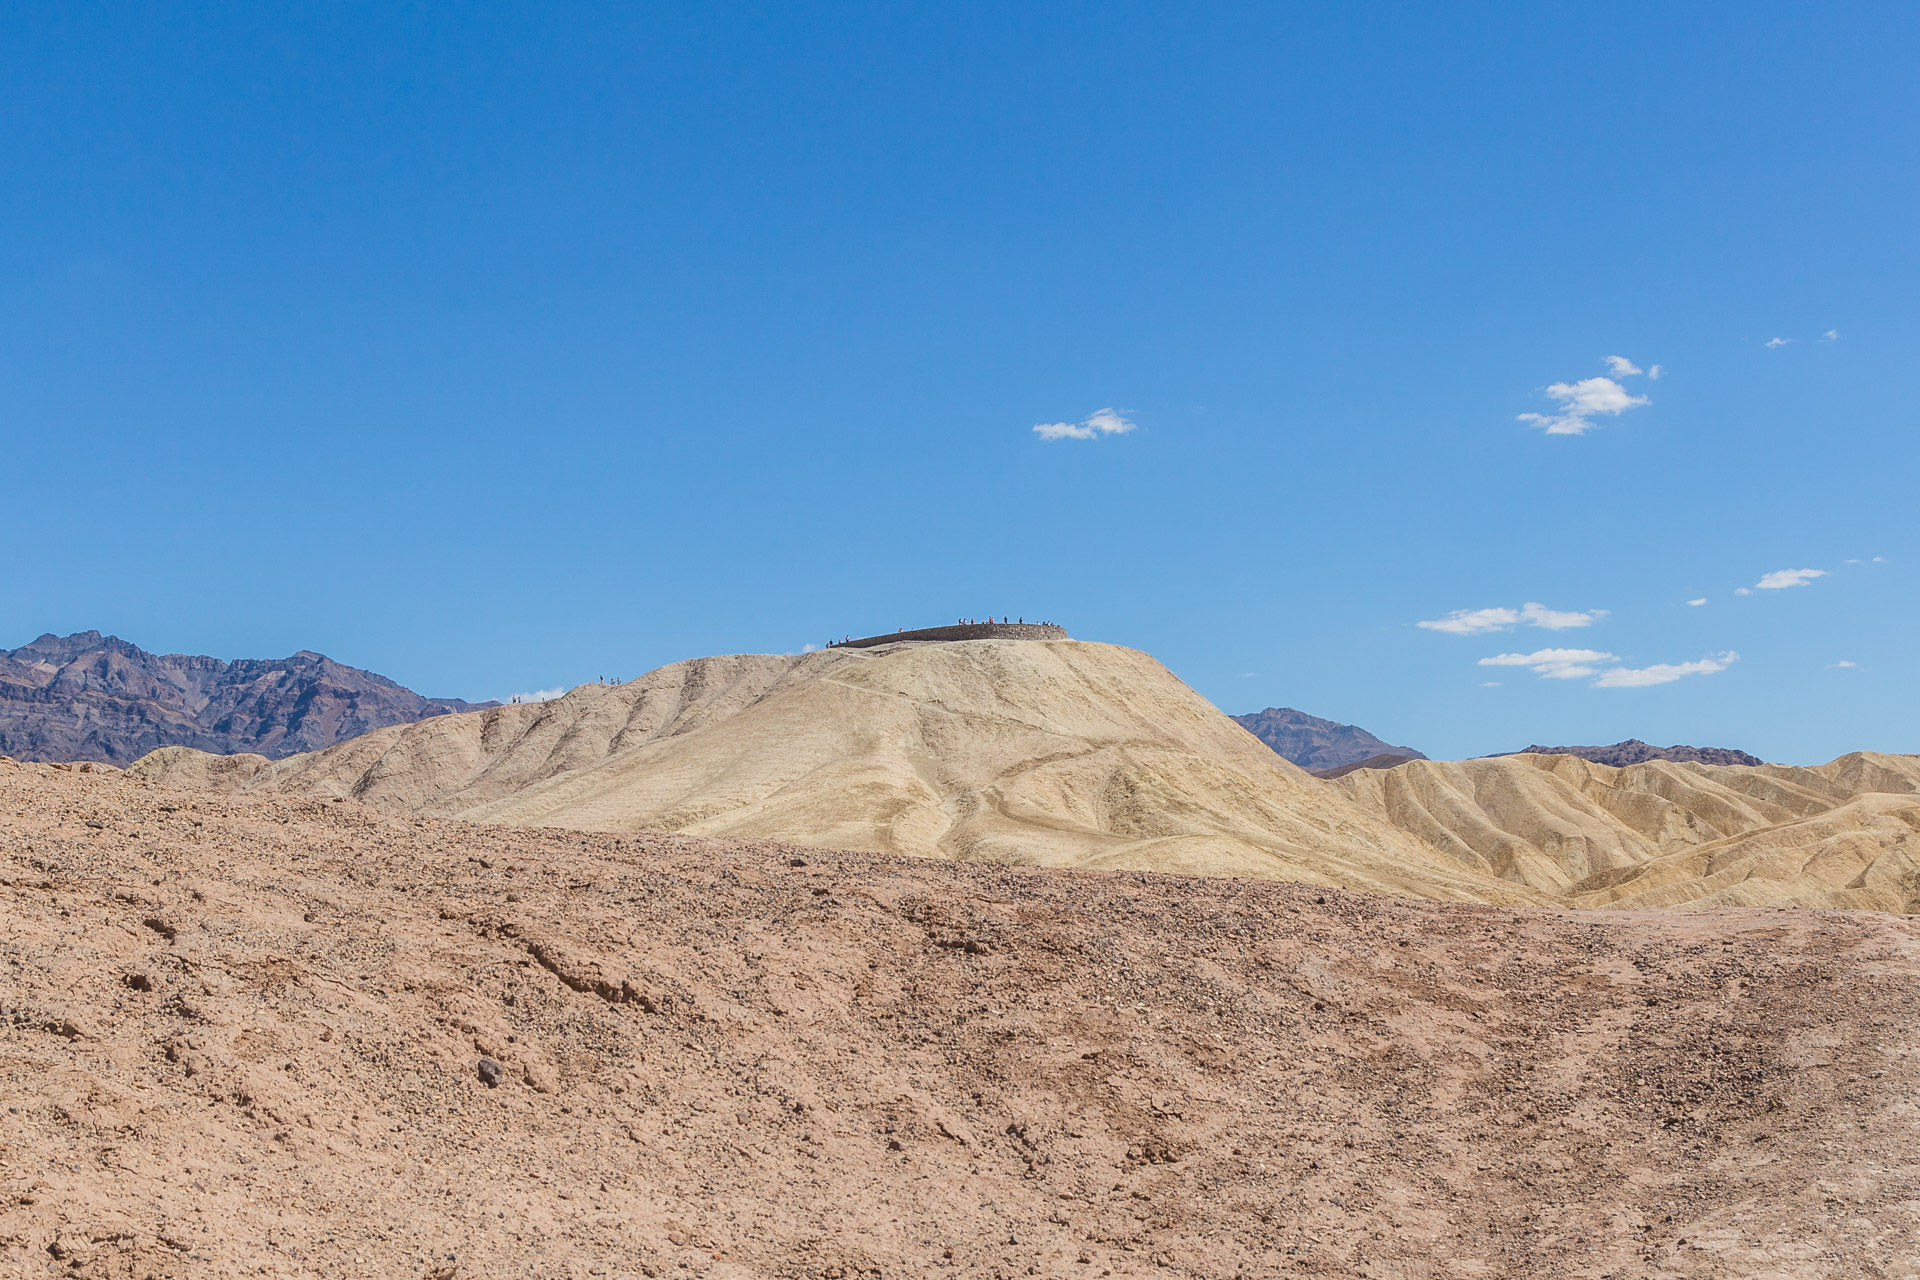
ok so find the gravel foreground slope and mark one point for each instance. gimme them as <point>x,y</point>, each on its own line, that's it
<point>243,1036</point>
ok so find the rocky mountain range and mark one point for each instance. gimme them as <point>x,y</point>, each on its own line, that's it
<point>1634,751</point>
<point>92,697</point>
<point>1315,744</point>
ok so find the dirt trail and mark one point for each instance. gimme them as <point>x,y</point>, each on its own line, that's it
<point>243,1035</point>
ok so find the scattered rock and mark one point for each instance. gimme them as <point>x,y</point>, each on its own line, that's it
<point>1137,1063</point>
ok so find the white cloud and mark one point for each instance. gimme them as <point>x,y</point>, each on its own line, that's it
<point>1553,664</point>
<point>1772,343</point>
<point>1831,335</point>
<point>1249,675</point>
<point>1831,666</point>
<point>1474,622</point>
<point>1489,684</point>
<point>1576,664</point>
<point>538,695</point>
<point>1743,591</point>
<point>1663,672</point>
<point>1582,401</point>
<point>1538,615</point>
<point>1879,559</point>
<point>1621,367</point>
<point>1655,372</point>
<point>1781,579</point>
<point>1697,603</point>
<point>1062,431</point>
<point>1101,422</point>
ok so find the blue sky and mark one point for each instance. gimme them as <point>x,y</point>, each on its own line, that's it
<point>501,348</point>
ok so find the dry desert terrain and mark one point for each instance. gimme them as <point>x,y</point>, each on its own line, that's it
<point>263,1034</point>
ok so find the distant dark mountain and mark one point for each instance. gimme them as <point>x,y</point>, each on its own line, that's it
<point>94,697</point>
<point>1313,743</point>
<point>1371,762</point>
<point>1634,751</point>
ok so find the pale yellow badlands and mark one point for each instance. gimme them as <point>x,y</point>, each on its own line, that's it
<point>1068,753</point>
<point>1844,834</point>
<point>1057,753</point>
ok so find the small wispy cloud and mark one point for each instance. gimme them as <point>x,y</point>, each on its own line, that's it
<point>1553,664</point>
<point>1581,402</point>
<point>1781,579</point>
<point>1489,684</point>
<point>1831,335</point>
<point>1475,622</point>
<point>1664,672</point>
<point>1577,664</point>
<point>1655,372</point>
<point>1843,664</point>
<point>1743,591</point>
<point>1249,675</point>
<point>1697,603</point>
<point>1101,422</point>
<point>1538,615</point>
<point>1773,343</point>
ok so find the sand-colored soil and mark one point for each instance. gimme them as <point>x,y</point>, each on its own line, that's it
<point>243,1035</point>
<point>1845,834</point>
<point>1023,752</point>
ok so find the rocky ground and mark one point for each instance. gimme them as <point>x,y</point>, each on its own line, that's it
<point>292,1037</point>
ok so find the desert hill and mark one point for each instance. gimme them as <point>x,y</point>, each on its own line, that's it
<point>1064,753</point>
<point>92,697</point>
<point>1058,753</point>
<point>1844,834</point>
<point>1315,744</point>
<point>252,1036</point>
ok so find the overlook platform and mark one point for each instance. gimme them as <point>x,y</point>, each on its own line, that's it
<point>962,631</point>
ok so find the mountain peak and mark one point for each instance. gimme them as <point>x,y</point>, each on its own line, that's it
<point>1313,743</point>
